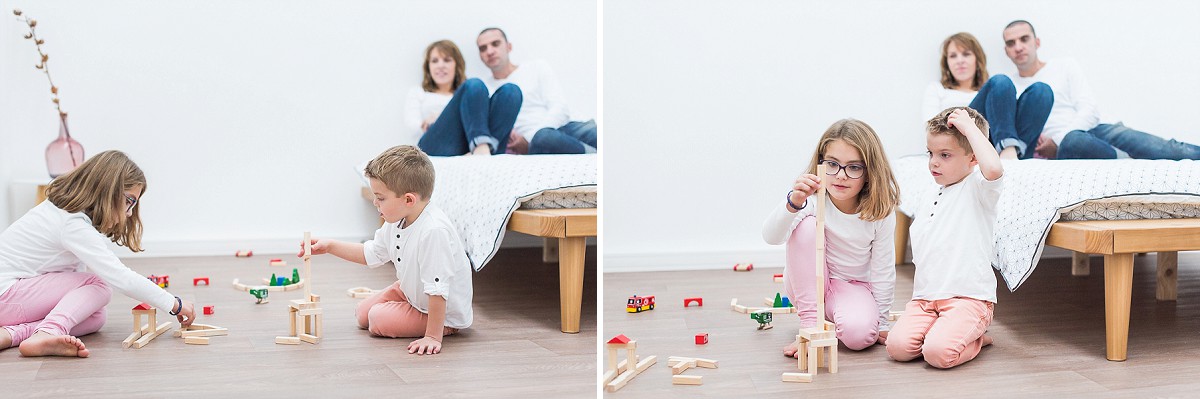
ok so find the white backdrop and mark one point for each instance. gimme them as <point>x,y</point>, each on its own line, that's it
<point>712,108</point>
<point>248,117</point>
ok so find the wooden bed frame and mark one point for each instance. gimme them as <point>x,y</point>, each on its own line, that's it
<point>1118,241</point>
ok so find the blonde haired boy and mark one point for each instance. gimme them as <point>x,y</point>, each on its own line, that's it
<point>954,289</point>
<point>432,295</point>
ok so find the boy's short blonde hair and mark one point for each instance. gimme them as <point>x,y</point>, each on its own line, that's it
<point>938,126</point>
<point>403,169</point>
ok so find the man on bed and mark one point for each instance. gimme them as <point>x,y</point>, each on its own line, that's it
<point>543,125</point>
<point>1073,130</point>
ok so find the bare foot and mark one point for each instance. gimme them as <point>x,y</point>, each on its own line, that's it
<point>987,340</point>
<point>482,149</point>
<point>447,331</point>
<point>790,349</point>
<point>43,344</point>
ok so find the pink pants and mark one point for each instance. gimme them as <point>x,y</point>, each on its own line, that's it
<point>947,332</point>
<point>67,303</point>
<point>388,314</point>
<point>848,304</point>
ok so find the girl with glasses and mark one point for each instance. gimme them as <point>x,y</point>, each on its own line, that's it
<point>56,271</point>
<point>860,228</point>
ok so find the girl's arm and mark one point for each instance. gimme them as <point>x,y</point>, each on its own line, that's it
<point>883,268</point>
<point>783,218</point>
<point>81,239</point>
<point>432,342</point>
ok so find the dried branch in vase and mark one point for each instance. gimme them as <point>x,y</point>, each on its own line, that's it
<point>45,58</point>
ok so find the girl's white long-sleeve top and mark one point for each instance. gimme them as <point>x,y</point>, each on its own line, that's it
<point>48,240</point>
<point>855,249</point>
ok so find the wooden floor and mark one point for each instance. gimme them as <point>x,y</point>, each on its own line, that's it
<point>514,347</point>
<point>1049,339</point>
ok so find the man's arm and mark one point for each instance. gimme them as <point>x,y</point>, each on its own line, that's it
<point>1087,114</point>
<point>556,102</point>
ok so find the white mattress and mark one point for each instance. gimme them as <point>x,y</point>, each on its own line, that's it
<point>479,194</point>
<point>1038,192</point>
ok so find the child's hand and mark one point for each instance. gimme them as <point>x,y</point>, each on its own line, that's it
<point>319,247</point>
<point>961,120</point>
<point>806,185</point>
<point>425,346</point>
<point>187,314</point>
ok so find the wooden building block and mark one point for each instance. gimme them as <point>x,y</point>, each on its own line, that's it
<point>624,377</point>
<point>195,340</point>
<point>312,339</point>
<point>680,367</point>
<point>686,380</point>
<point>287,340</point>
<point>146,338</point>
<point>129,341</point>
<point>797,377</point>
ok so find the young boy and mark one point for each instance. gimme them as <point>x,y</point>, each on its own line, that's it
<point>954,289</point>
<point>432,295</point>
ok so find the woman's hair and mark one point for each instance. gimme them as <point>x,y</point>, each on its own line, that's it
<point>97,188</point>
<point>880,193</point>
<point>966,42</point>
<point>446,47</point>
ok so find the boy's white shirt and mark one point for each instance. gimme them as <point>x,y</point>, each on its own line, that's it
<point>430,260</point>
<point>855,249</point>
<point>49,240</point>
<point>952,237</point>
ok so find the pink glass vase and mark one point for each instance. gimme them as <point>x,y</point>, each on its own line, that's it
<point>64,153</point>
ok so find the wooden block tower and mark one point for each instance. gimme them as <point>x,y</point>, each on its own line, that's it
<point>144,333</point>
<point>617,375</point>
<point>304,314</point>
<point>817,346</point>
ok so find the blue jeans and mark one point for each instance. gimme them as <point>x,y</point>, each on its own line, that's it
<point>572,138</point>
<point>1102,142</point>
<point>1014,121</point>
<point>472,119</point>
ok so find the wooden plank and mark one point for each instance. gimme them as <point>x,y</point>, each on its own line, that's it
<point>195,340</point>
<point>559,223</point>
<point>686,380</point>
<point>570,282</point>
<point>1080,237</point>
<point>1120,236</point>
<point>902,224</point>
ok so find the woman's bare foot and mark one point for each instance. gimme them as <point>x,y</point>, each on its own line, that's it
<point>986,340</point>
<point>43,344</point>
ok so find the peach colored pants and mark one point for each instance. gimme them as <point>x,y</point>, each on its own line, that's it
<point>850,305</point>
<point>57,303</point>
<point>388,314</point>
<point>947,332</point>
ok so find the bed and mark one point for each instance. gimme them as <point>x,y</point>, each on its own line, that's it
<point>1112,207</point>
<point>550,196</point>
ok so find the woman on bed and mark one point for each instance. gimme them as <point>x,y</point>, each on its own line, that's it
<point>454,115</point>
<point>1016,121</point>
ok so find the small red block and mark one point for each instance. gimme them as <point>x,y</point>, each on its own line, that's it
<point>743,268</point>
<point>244,254</point>
<point>208,310</point>
<point>698,301</point>
<point>196,281</point>
<point>701,338</point>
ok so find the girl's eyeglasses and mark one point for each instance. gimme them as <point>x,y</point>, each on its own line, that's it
<point>853,171</point>
<point>131,201</point>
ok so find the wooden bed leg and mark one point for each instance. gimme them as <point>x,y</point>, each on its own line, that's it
<point>549,250</point>
<point>902,224</point>
<point>570,281</point>
<point>1080,264</point>
<point>1168,279</point>
<point>1118,284</point>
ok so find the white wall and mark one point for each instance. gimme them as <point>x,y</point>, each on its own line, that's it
<point>248,117</point>
<point>712,108</point>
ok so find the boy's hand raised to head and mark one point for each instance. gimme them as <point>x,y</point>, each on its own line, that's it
<point>962,121</point>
